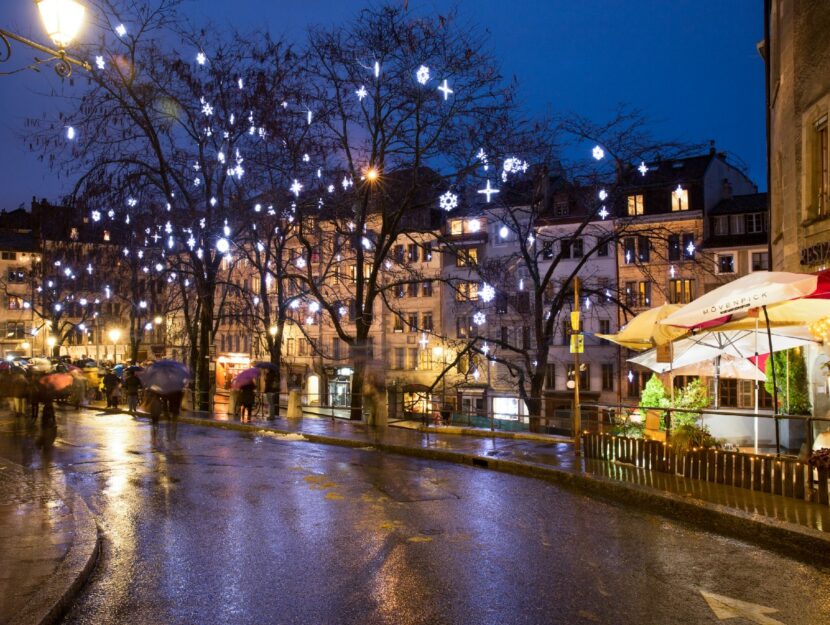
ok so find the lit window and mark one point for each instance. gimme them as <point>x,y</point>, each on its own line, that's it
<point>456,226</point>
<point>106,235</point>
<point>635,204</point>
<point>681,291</point>
<point>680,199</point>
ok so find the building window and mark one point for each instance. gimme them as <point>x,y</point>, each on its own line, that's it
<point>525,338</point>
<point>644,249</point>
<point>400,291</point>
<point>737,224</point>
<point>8,255</point>
<point>457,226</point>
<point>504,335</point>
<point>547,250</point>
<point>412,253</point>
<point>426,322</point>
<point>674,247</point>
<point>462,327</point>
<point>636,383</point>
<point>427,288</point>
<point>571,248</point>
<point>607,376</point>
<point>604,328</point>
<point>467,292</point>
<point>584,376</point>
<point>689,246</point>
<point>550,376</point>
<point>523,302</point>
<point>14,303</point>
<point>561,209</point>
<point>680,199</point>
<point>644,294</point>
<point>427,253</point>
<point>467,258</point>
<point>397,253</point>
<point>760,261</point>
<point>397,323</point>
<point>602,247</point>
<point>821,167</point>
<point>303,347</point>
<point>16,276</point>
<point>629,249</point>
<point>413,358</point>
<point>412,322</point>
<point>721,225</point>
<point>681,291</point>
<point>398,357</point>
<point>501,303</point>
<point>726,263</point>
<point>631,294</point>
<point>728,392</point>
<point>335,348</point>
<point>754,223</point>
<point>635,204</point>
<point>412,289</point>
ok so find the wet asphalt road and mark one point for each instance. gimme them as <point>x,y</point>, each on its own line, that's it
<point>206,526</point>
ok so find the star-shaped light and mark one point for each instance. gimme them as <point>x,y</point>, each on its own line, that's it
<point>296,187</point>
<point>598,153</point>
<point>201,59</point>
<point>603,212</point>
<point>643,168</point>
<point>445,89</point>
<point>422,75</point>
<point>488,191</point>
<point>448,201</point>
<point>424,341</point>
<point>486,293</point>
<point>678,191</point>
<point>121,30</point>
<point>361,93</point>
<point>691,248</point>
<point>99,62</point>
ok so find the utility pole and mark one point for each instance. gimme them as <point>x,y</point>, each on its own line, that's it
<point>576,344</point>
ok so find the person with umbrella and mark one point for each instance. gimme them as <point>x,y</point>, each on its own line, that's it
<point>166,379</point>
<point>132,387</point>
<point>111,388</point>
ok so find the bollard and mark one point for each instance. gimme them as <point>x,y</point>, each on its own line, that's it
<point>295,408</point>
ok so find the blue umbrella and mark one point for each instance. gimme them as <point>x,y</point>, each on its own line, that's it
<point>165,376</point>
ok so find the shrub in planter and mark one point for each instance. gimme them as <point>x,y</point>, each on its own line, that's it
<point>687,436</point>
<point>820,459</point>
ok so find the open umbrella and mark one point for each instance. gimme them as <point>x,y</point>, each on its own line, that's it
<point>267,365</point>
<point>728,367</point>
<point>135,368</point>
<point>40,365</point>
<point>243,378</point>
<point>165,376</point>
<point>56,382</point>
<point>644,331</point>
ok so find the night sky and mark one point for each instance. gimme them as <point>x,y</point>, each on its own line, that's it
<point>691,65</point>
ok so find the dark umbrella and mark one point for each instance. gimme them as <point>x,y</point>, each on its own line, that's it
<point>135,368</point>
<point>267,365</point>
<point>165,376</point>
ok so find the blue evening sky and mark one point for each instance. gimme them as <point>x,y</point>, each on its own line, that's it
<point>691,65</point>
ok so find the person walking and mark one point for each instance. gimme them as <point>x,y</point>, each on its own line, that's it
<point>132,387</point>
<point>111,388</point>
<point>247,398</point>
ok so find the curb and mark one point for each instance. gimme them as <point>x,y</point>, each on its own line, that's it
<point>51,600</point>
<point>483,433</point>
<point>780,536</point>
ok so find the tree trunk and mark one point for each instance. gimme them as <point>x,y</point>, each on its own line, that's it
<point>359,363</point>
<point>203,386</point>
<point>534,403</point>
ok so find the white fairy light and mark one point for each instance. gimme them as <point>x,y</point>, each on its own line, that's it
<point>448,201</point>
<point>347,182</point>
<point>513,165</point>
<point>485,348</point>
<point>99,62</point>
<point>70,132</point>
<point>598,153</point>
<point>587,303</point>
<point>240,83</point>
<point>306,158</point>
<point>361,93</point>
<point>603,212</point>
<point>474,225</point>
<point>630,375</point>
<point>671,271</point>
<point>342,311</point>
<point>300,262</point>
<point>96,216</point>
<point>201,58</point>
<point>422,75</point>
<point>83,301</point>
<point>479,318</point>
<point>691,248</point>
<point>309,116</point>
<point>121,30</point>
<point>603,195</point>
<point>423,341</point>
<point>643,168</point>
<point>377,69</point>
<point>197,181</point>
<point>330,188</point>
<point>257,208</point>
<point>504,232</point>
<point>678,191</point>
<point>530,239</point>
<point>110,213</point>
<point>220,157</point>
<point>445,89</point>
<point>222,246</point>
<point>296,187</point>
<point>488,191</point>
<point>213,201</point>
<point>487,293</point>
<point>521,284</point>
<point>159,267</point>
<point>482,155</point>
<point>295,303</point>
<point>191,242</point>
<point>142,304</point>
<point>314,307</point>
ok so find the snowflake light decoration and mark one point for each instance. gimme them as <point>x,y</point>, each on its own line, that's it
<point>488,191</point>
<point>513,165</point>
<point>201,59</point>
<point>487,293</point>
<point>445,89</point>
<point>99,62</point>
<point>121,30</point>
<point>222,246</point>
<point>643,168</point>
<point>598,153</point>
<point>603,195</point>
<point>96,216</point>
<point>422,75</point>
<point>448,201</point>
<point>207,109</point>
<point>479,318</point>
<point>361,93</point>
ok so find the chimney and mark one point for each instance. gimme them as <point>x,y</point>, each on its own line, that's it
<point>712,149</point>
<point>726,190</point>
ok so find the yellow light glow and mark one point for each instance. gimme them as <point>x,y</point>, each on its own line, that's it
<point>62,19</point>
<point>158,321</point>
<point>272,330</point>
<point>372,174</point>
<point>114,335</point>
<point>50,341</point>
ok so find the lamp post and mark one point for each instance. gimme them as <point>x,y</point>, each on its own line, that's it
<point>51,341</point>
<point>62,21</point>
<point>114,335</point>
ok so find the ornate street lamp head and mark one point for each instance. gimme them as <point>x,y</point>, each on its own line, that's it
<point>62,19</point>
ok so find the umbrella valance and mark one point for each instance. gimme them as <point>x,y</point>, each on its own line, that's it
<point>644,331</point>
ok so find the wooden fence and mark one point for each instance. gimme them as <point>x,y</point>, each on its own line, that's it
<point>779,476</point>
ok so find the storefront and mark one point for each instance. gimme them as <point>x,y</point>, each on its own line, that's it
<point>339,385</point>
<point>228,365</point>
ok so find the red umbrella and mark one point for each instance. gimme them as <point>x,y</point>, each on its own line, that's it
<point>56,382</point>
<point>243,378</point>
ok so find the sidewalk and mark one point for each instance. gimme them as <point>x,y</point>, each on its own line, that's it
<point>48,546</point>
<point>788,525</point>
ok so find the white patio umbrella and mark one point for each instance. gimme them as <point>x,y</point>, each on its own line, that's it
<point>729,367</point>
<point>740,344</point>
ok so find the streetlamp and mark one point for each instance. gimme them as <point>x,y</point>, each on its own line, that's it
<point>51,341</point>
<point>114,335</point>
<point>62,20</point>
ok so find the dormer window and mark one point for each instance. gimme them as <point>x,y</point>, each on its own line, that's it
<point>680,199</point>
